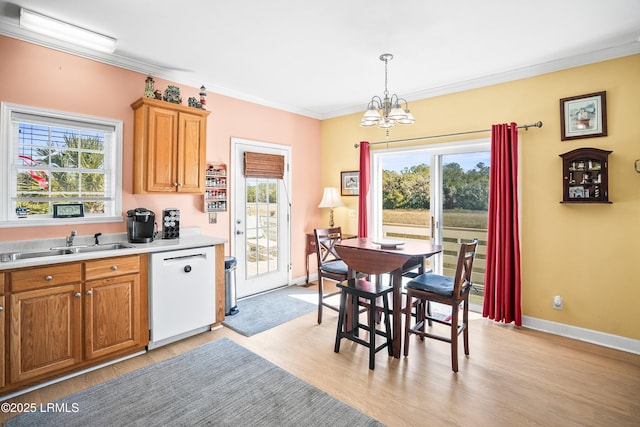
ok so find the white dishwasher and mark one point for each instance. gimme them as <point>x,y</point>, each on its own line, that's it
<point>182,296</point>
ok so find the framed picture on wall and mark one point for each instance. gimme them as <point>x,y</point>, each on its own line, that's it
<point>583,116</point>
<point>350,183</point>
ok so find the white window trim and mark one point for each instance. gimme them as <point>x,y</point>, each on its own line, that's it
<point>6,153</point>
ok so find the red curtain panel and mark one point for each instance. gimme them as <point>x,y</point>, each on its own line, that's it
<point>363,198</point>
<point>502,275</point>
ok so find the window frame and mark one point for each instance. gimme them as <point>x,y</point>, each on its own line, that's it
<point>8,150</point>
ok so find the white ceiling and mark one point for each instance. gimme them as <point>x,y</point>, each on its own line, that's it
<point>320,59</point>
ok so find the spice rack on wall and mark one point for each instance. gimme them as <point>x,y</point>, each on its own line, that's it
<point>215,194</point>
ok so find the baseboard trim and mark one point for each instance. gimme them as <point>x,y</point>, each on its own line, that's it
<point>302,280</point>
<point>595,337</point>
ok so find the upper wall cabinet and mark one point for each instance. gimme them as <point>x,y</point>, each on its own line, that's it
<point>585,174</point>
<point>169,147</point>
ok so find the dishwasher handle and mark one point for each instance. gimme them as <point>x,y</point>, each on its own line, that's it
<point>183,258</point>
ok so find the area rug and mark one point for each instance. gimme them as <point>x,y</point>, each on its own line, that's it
<point>265,311</point>
<point>220,384</point>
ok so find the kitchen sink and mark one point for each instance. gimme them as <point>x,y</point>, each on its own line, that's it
<point>15,256</point>
<point>96,248</point>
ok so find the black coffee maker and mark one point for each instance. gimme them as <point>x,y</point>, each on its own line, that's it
<point>141,224</point>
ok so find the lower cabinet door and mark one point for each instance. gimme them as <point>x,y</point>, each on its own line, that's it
<point>2,339</point>
<point>113,315</point>
<point>45,331</point>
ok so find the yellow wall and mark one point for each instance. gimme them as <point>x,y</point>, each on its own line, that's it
<point>585,253</point>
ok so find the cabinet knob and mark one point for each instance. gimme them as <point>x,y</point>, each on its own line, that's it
<point>175,184</point>
<point>47,278</point>
<point>179,184</point>
<point>1,308</point>
<point>89,292</point>
<point>114,267</point>
<point>77,295</point>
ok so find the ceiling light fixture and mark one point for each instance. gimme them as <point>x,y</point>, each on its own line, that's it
<point>387,111</point>
<point>60,30</point>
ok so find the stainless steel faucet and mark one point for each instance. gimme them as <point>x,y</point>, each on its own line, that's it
<point>70,237</point>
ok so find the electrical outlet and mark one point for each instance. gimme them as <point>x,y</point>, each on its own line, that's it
<point>557,302</point>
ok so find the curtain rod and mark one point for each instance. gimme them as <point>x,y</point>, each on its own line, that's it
<point>525,127</point>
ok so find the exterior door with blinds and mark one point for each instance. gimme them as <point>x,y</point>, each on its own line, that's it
<point>260,216</point>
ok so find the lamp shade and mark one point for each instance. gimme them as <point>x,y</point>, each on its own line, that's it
<point>331,198</point>
<point>397,113</point>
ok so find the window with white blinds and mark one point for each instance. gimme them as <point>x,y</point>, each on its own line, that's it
<point>52,157</point>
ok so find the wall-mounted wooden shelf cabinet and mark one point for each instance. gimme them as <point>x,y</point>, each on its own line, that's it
<point>169,147</point>
<point>585,173</point>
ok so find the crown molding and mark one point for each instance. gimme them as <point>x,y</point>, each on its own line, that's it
<point>627,49</point>
<point>10,29</point>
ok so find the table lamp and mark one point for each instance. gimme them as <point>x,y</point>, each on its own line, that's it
<point>331,199</point>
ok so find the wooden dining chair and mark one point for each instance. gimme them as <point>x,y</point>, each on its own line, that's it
<point>453,292</point>
<point>330,266</point>
<point>366,291</point>
<point>412,269</point>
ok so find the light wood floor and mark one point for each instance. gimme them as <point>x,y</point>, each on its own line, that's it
<point>513,377</point>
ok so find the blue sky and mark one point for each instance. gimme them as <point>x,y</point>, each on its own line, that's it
<point>466,161</point>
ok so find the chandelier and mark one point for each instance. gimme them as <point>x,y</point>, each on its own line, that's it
<point>387,111</point>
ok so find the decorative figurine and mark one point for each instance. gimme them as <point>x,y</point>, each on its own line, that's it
<point>192,102</point>
<point>158,95</point>
<point>172,94</point>
<point>203,94</point>
<point>148,87</point>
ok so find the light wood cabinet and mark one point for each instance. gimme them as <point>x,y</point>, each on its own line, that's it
<point>45,331</point>
<point>39,277</point>
<point>73,315</point>
<point>169,147</point>
<point>2,334</point>
<point>115,312</point>
<point>45,322</point>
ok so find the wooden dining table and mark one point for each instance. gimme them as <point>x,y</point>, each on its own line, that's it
<point>408,250</point>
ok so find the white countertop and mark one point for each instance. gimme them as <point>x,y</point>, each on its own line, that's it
<point>189,238</point>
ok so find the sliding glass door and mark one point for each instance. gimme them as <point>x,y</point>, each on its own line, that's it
<point>434,192</point>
